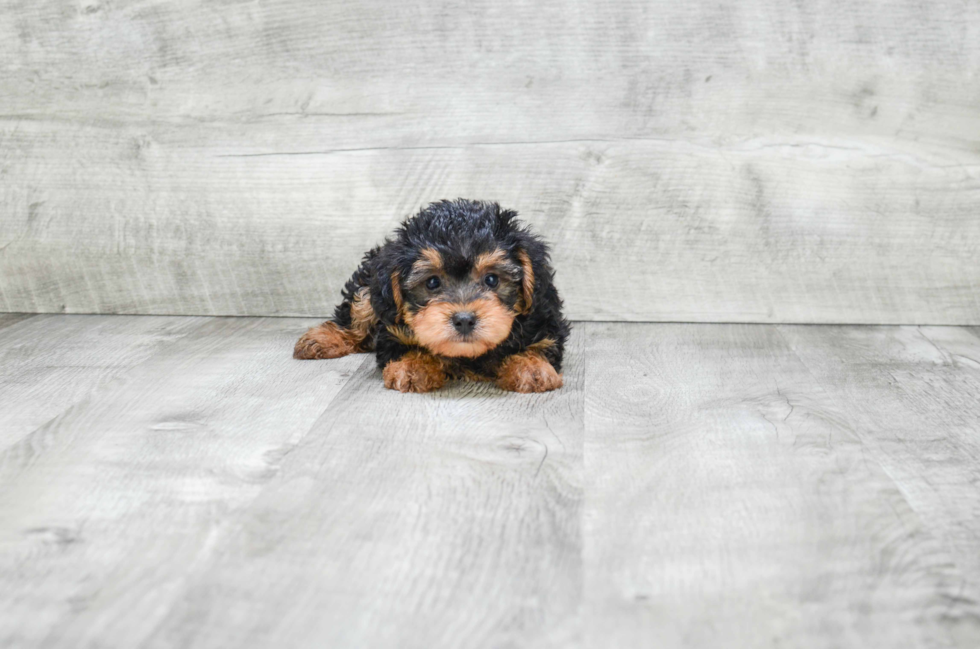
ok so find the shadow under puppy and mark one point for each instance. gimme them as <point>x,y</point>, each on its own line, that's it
<point>462,291</point>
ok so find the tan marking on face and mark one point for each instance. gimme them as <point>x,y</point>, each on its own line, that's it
<point>433,258</point>
<point>429,263</point>
<point>434,328</point>
<point>487,262</point>
<point>527,285</point>
<point>407,317</point>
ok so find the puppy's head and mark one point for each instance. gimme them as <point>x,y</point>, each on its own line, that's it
<point>459,274</point>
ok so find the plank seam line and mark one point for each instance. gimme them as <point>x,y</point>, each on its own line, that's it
<point>7,452</point>
<point>871,447</point>
<point>368,360</point>
<point>972,326</point>
<point>744,146</point>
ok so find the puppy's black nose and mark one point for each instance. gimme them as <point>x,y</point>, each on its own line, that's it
<point>464,321</point>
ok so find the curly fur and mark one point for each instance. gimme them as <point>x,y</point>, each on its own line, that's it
<point>460,241</point>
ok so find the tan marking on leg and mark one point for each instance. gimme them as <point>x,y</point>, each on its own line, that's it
<point>327,340</point>
<point>528,372</point>
<point>416,371</point>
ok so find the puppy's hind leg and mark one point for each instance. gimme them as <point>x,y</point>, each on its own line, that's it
<point>353,327</point>
<point>327,340</point>
<point>351,331</point>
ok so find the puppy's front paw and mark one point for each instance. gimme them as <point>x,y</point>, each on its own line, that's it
<point>324,341</point>
<point>528,373</point>
<point>414,372</point>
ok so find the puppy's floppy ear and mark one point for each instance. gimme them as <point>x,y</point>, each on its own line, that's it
<point>386,291</point>
<point>395,280</point>
<point>527,281</point>
<point>532,256</point>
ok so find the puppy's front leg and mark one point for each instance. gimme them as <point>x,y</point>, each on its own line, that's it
<point>528,371</point>
<point>404,366</point>
<point>416,371</point>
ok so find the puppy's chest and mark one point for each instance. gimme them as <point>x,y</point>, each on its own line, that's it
<point>471,369</point>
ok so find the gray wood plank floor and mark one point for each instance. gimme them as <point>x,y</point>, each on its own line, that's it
<point>182,482</point>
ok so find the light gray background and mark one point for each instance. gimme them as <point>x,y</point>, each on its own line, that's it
<point>183,482</point>
<point>753,162</point>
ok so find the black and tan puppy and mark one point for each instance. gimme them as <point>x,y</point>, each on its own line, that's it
<point>462,291</point>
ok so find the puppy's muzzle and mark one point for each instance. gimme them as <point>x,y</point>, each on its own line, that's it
<point>464,322</point>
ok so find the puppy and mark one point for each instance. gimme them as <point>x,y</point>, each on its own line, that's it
<point>462,291</point>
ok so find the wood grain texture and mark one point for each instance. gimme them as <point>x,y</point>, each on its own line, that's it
<point>50,363</point>
<point>106,508</point>
<point>912,395</point>
<point>732,500</point>
<point>690,486</point>
<point>690,161</point>
<point>442,520</point>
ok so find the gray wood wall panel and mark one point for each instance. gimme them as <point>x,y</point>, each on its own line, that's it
<point>690,161</point>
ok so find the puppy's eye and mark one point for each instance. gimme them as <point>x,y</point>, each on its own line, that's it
<point>432,283</point>
<point>491,280</point>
